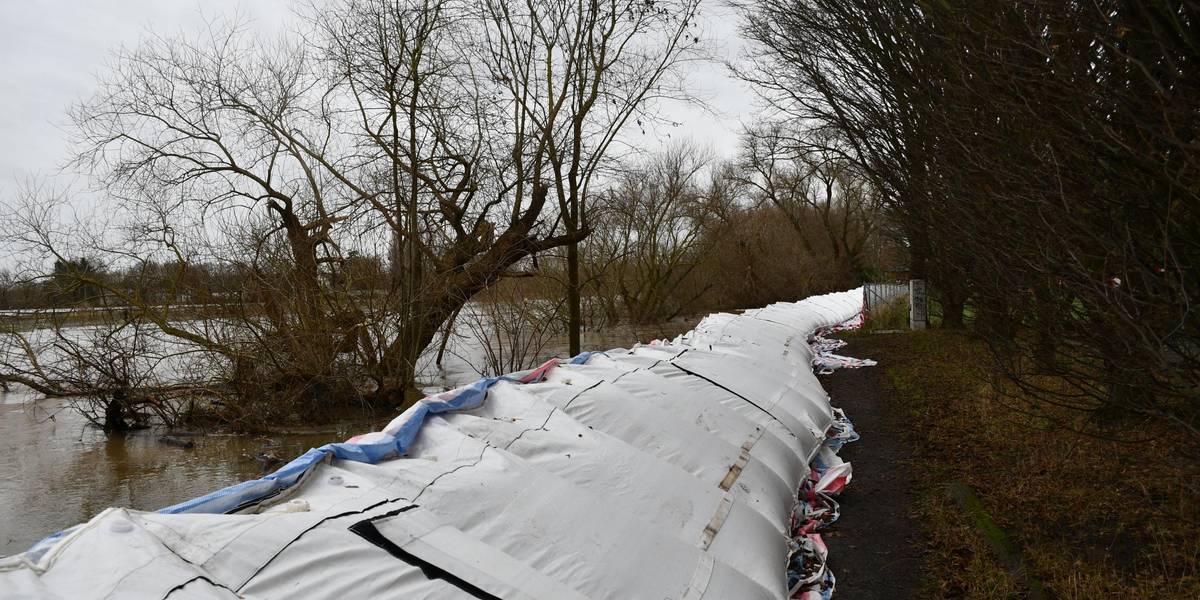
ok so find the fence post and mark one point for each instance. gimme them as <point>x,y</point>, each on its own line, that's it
<point>918,313</point>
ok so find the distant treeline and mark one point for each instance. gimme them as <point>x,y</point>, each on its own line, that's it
<point>678,233</point>
<point>87,283</point>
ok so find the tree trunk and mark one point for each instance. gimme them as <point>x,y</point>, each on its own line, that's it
<point>574,314</point>
<point>1045,349</point>
<point>954,300</point>
<point>114,413</point>
<point>952,313</point>
<point>449,330</point>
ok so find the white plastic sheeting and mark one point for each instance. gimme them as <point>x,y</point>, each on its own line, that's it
<point>693,468</point>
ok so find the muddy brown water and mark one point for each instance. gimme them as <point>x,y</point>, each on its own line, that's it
<point>57,471</point>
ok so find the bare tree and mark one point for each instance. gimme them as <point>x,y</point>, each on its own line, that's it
<point>510,329</point>
<point>577,72</point>
<point>654,221</point>
<point>453,139</point>
<point>1041,159</point>
<point>816,188</point>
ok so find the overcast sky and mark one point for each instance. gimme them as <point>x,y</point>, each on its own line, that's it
<point>52,50</point>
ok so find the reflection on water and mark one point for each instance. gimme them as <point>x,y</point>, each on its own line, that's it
<point>56,471</point>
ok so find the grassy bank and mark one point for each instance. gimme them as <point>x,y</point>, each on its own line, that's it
<point>1089,517</point>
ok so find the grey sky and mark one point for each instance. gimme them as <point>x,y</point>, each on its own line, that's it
<point>52,50</point>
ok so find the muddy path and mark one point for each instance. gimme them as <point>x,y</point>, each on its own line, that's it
<point>875,547</point>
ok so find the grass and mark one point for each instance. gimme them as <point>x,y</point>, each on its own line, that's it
<point>890,316</point>
<point>1093,518</point>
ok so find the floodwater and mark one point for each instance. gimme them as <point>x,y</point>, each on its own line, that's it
<point>56,471</point>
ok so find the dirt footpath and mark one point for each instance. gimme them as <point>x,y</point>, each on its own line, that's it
<point>874,548</point>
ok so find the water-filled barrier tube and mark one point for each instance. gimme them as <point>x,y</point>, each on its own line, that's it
<point>699,467</point>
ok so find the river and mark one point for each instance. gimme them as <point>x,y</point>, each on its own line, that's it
<point>58,471</point>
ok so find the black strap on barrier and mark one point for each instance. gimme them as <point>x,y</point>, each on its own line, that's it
<point>367,530</point>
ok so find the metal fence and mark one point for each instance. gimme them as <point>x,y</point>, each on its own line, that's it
<point>876,295</point>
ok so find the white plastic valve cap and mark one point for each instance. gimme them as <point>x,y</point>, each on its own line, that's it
<point>121,526</point>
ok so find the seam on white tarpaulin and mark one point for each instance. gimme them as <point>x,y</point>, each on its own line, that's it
<point>718,520</point>
<point>700,578</point>
<point>735,471</point>
<point>739,396</point>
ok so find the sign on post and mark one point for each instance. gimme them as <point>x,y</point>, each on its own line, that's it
<point>918,312</point>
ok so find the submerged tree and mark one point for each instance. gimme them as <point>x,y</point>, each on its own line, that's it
<point>458,140</point>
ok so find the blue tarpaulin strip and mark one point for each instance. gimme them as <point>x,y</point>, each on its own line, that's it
<point>472,396</point>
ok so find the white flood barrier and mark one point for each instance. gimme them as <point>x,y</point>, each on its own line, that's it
<point>699,467</point>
